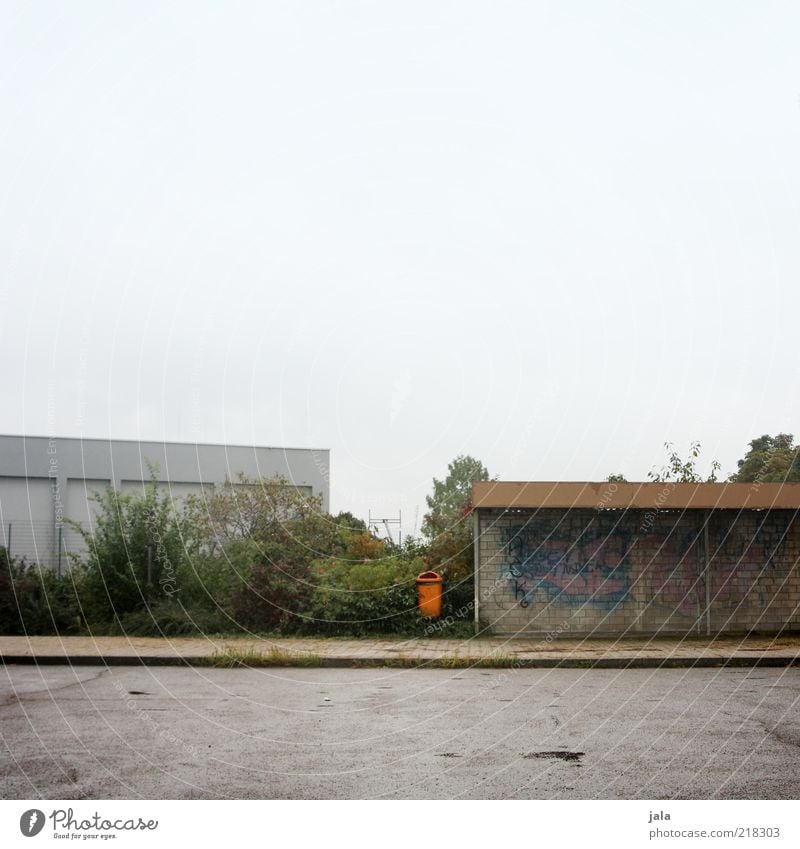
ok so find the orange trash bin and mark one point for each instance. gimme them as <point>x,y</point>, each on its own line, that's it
<point>429,592</point>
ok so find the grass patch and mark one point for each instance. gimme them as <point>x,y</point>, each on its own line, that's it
<point>503,661</point>
<point>230,658</point>
<point>452,662</point>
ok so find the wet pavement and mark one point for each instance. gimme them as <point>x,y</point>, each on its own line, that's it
<point>165,732</point>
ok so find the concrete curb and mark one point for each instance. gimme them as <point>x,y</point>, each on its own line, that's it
<point>207,662</point>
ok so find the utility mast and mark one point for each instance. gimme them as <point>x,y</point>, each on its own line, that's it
<point>379,525</point>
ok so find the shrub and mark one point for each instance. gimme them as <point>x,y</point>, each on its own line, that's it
<point>137,551</point>
<point>451,555</point>
<point>459,599</point>
<point>287,523</point>
<point>366,597</point>
<point>35,600</point>
<point>168,617</point>
<point>266,594</point>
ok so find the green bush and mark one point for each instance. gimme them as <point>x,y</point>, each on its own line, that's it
<point>35,600</point>
<point>458,599</point>
<point>268,595</point>
<point>169,618</point>
<point>257,556</point>
<point>357,598</point>
<point>137,553</point>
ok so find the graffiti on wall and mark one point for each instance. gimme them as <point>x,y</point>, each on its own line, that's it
<point>669,569</point>
<point>760,544</point>
<point>607,560</point>
<point>545,561</point>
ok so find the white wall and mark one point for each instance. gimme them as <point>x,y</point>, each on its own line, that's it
<point>79,504</point>
<point>26,511</point>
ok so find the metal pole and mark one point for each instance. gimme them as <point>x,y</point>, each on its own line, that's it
<point>477,574</point>
<point>59,550</point>
<point>700,564</point>
<point>8,547</point>
<point>707,557</point>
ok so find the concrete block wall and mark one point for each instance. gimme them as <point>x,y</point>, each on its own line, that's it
<point>613,572</point>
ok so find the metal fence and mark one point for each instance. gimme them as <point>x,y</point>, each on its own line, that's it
<point>43,543</point>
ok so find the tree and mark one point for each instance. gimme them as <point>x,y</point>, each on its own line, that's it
<point>260,539</point>
<point>287,524</point>
<point>677,470</point>
<point>136,550</point>
<point>617,479</point>
<point>771,459</point>
<point>348,522</point>
<point>449,503</point>
<point>266,509</point>
<point>447,528</point>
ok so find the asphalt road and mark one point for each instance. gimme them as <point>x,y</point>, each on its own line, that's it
<point>164,732</point>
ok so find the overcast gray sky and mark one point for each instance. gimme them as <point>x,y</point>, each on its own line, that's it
<point>550,235</point>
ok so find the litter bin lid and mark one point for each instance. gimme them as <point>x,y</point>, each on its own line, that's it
<point>430,577</point>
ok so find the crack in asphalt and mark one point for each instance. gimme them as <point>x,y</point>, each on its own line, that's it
<point>31,696</point>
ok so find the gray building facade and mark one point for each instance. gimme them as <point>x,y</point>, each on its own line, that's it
<point>45,480</point>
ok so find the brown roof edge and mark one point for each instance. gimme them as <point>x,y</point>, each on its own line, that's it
<point>645,496</point>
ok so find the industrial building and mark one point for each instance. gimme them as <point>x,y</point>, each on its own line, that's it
<point>45,480</point>
<point>621,559</point>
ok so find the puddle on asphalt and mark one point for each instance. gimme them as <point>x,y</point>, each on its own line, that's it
<point>555,756</point>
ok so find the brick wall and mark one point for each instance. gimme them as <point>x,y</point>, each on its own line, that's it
<point>616,571</point>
